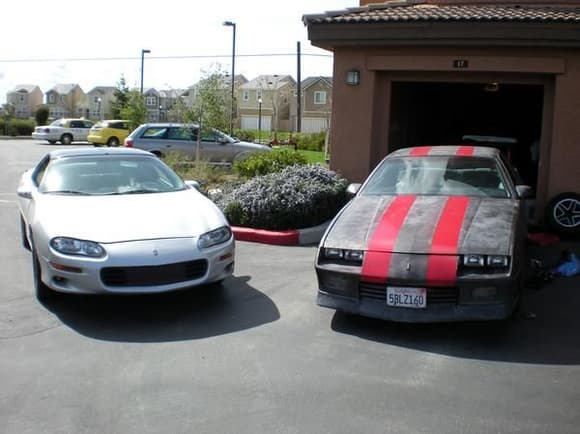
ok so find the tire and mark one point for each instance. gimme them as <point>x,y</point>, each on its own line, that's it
<point>42,291</point>
<point>113,142</point>
<point>157,154</point>
<point>563,214</point>
<point>25,242</point>
<point>52,142</point>
<point>66,139</point>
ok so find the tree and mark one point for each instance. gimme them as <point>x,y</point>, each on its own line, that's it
<point>135,110</point>
<point>41,115</point>
<point>121,95</point>
<point>212,104</point>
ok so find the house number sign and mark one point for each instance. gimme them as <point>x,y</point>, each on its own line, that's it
<point>460,63</point>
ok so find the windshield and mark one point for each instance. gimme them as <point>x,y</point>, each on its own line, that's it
<point>448,176</point>
<point>109,174</point>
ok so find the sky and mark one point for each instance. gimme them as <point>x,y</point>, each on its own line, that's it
<point>95,44</point>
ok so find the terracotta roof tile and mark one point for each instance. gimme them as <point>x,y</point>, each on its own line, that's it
<point>413,11</point>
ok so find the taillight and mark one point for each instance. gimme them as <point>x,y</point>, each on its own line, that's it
<point>128,143</point>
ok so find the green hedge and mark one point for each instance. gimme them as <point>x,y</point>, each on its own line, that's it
<point>268,162</point>
<point>16,127</point>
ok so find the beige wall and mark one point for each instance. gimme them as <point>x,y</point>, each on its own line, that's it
<point>360,114</point>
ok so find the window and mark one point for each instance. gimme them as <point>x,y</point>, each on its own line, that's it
<point>151,100</point>
<point>258,94</point>
<point>21,98</point>
<point>155,132</point>
<point>246,95</point>
<point>319,97</point>
<point>96,99</point>
<point>51,98</point>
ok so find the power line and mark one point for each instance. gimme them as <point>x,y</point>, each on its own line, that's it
<point>97,59</point>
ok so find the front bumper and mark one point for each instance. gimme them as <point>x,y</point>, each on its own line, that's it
<point>81,275</point>
<point>344,292</point>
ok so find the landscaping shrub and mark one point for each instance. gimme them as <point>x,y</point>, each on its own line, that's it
<point>16,127</point>
<point>245,135</point>
<point>294,198</point>
<point>268,162</point>
<point>310,141</point>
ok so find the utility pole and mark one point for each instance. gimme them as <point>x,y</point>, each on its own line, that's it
<point>298,91</point>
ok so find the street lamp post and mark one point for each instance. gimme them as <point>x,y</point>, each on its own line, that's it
<point>260,120</point>
<point>233,26</point>
<point>142,61</point>
<point>99,101</point>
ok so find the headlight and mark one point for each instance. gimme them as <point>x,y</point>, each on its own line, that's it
<point>497,261</point>
<point>72,246</point>
<point>474,260</point>
<point>347,255</point>
<point>217,236</point>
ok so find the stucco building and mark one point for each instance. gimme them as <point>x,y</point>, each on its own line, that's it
<point>438,71</point>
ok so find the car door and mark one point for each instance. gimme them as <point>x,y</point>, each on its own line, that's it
<point>215,149</point>
<point>182,139</point>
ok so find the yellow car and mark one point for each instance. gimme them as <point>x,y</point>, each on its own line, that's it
<point>109,133</point>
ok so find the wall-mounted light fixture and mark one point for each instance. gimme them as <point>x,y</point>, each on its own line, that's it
<point>353,77</point>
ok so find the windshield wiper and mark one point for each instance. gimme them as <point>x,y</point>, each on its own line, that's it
<point>75,192</point>
<point>136,191</point>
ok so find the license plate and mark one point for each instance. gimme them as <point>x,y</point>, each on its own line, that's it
<point>415,298</point>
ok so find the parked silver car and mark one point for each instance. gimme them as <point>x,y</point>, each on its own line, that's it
<point>214,147</point>
<point>65,131</point>
<point>91,218</point>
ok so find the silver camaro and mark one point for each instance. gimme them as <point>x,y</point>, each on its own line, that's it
<point>119,221</point>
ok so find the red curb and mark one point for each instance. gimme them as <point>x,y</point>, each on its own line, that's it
<point>284,238</point>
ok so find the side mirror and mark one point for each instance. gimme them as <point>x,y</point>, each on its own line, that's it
<point>24,193</point>
<point>524,191</point>
<point>352,189</point>
<point>192,184</point>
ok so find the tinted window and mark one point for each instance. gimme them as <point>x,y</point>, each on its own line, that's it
<point>180,133</point>
<point>111,174</point>
<point>155,132</point>
<point>118,125</point>
<point>449,176</point>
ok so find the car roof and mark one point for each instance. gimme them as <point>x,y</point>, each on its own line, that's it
<point>168,124</point>
<point>83,152</point>
<point>447,151</point>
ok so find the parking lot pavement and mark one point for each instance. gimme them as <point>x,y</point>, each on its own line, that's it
<point>258,356</point>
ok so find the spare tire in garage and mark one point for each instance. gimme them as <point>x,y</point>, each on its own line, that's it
<point>563,213</point>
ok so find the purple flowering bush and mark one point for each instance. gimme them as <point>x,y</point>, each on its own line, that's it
<point>296,197</point>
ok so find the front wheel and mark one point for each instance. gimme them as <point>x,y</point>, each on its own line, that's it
<point>66,139</point>
<point>42,291</point>
<point>563,213</point>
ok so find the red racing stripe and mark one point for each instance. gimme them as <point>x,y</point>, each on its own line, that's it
<point>442,263</point>
<point>420,151</point>
<point>377,260</point>
<point>465,151</point>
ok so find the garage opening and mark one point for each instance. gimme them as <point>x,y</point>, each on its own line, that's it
<point>508,116</point>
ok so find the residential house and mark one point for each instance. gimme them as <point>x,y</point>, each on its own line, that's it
<point>169,109</point>
<point>152,102</point>
<point>428,72</point>
<point>315,105</point>
<point>100,100</point>
<point>66,100</point>
<point>26,99</point>
<point>264,103</point>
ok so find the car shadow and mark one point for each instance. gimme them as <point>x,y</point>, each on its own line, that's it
<point>545,331</point>
<point>195,313</point>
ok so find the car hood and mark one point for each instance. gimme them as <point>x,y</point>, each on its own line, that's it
<point>426,225</point>
<point>252,146</point>
<point>119,218</point>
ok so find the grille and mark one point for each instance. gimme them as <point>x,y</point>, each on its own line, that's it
<point>434,295</point>
<point>154,275</point>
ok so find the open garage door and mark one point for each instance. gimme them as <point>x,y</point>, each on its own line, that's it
<point>432,113</point>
